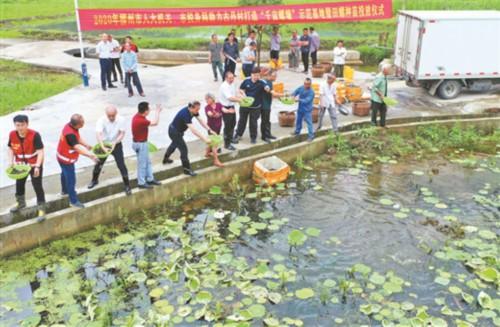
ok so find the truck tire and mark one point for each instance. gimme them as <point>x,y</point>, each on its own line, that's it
<point>449,89</point>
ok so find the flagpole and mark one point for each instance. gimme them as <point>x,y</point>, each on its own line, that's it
<point>85,75</point>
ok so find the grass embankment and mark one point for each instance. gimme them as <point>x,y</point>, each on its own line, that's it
<point>54,19</point>
<point>22,84</point>
<point>374,145</point>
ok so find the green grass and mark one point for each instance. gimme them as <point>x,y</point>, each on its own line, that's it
<point>22,84</point>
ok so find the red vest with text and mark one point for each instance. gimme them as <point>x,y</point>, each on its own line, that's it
<point>65,153</point>
<point>24,150</point>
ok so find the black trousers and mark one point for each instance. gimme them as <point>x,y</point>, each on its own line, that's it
<point>137,82</point>
<point>339,71</point>
<point>314,57</point>
<point>37,186</point>
<point>265,123</point>
<point>105,71</point>
<point>178,143</point>
<point>229,124</point>
<point>229,66</point>
<point>120,162</point>
<point>115,65</point>
<point>378,107</point>
<point>247,69</point>
<point>274,54</point>
<point>245,113</point>
<point>305,60</point>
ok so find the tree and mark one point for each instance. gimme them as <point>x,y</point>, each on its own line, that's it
<point>260,29</point>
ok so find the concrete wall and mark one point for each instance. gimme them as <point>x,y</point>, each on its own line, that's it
<point>105,208</point>
<point>165,56</point>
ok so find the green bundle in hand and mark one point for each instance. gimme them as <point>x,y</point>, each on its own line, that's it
<point>215,140</point>
<point>100,152</point>
<point>152,148</point>
<point>287,100</point>
<point>246,101</point>
<point>18,171</point>
<point>390,102</point>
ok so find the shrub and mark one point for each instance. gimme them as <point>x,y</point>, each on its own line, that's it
<point>373,56</point>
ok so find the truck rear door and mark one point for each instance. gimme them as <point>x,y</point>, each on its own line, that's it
<point>407,44</point>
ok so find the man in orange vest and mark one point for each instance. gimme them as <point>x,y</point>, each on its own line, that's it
<point>26,147</point>
<point>70,146</point>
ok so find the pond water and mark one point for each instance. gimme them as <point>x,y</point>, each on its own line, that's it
<point>386,243</point>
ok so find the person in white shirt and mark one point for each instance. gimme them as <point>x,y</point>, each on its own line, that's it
<point>229,96</point>
<point>248,59</point>
<point>110,130</point>
<point>104,49</point>
<point>251,38</point>
<point>115,59</point>
<point>328,101</point>
<point>339,55</point>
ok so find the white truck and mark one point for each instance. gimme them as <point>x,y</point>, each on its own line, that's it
<point>446,51</point>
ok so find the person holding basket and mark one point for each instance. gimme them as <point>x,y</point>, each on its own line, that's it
<point>26,147</point>
<point>110,130</point>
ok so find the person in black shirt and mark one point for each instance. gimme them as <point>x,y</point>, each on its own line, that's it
<point>255,88</point>
<point>182,122</point>
<point>267,100</point>
<point>231,54</point>
<point>305,46</point>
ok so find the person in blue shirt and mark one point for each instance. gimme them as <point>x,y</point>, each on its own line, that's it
<point>304,95</point>
<point>129,64</point>
<point>255,88</point>
<point>182,122</point>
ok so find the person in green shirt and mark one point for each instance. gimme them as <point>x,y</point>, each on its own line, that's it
<point>378,93</point>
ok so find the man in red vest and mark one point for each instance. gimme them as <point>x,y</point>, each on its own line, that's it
<point>70,146</point>
<point>26,147</point>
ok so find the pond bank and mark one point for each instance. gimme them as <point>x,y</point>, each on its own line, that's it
<point>106,205</point>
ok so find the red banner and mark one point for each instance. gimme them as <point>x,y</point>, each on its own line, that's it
<point>109,19</point>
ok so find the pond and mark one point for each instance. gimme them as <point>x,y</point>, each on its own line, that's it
<point>382,243</point>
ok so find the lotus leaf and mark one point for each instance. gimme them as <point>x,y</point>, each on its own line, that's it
<point>442,280</point>
<point>486,234</point>
<point>312,231</point>
<point>215,140</point>
<point>152,148</point>
<point>246,101</point>
<point>485,300</point>
<point>257,310</point>
<point>377,279</point>
<point>287,100</point>
<point>164,307</point>
<point>274,298</point>
<point>100,152</point>
<point>266,215</point>
<point>304,293</point>
<point>203,297</point>
<point>272,322</point>
<point>386,202</point>
<point>296,238</point>
<point>156,292</point>
<point>138,277</point>
<point>390,102</point>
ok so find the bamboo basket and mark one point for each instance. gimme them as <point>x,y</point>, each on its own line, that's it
<point>361,108</point>
<point>286,118</point>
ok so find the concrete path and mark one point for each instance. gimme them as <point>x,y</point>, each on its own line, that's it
<point>172,87</point>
